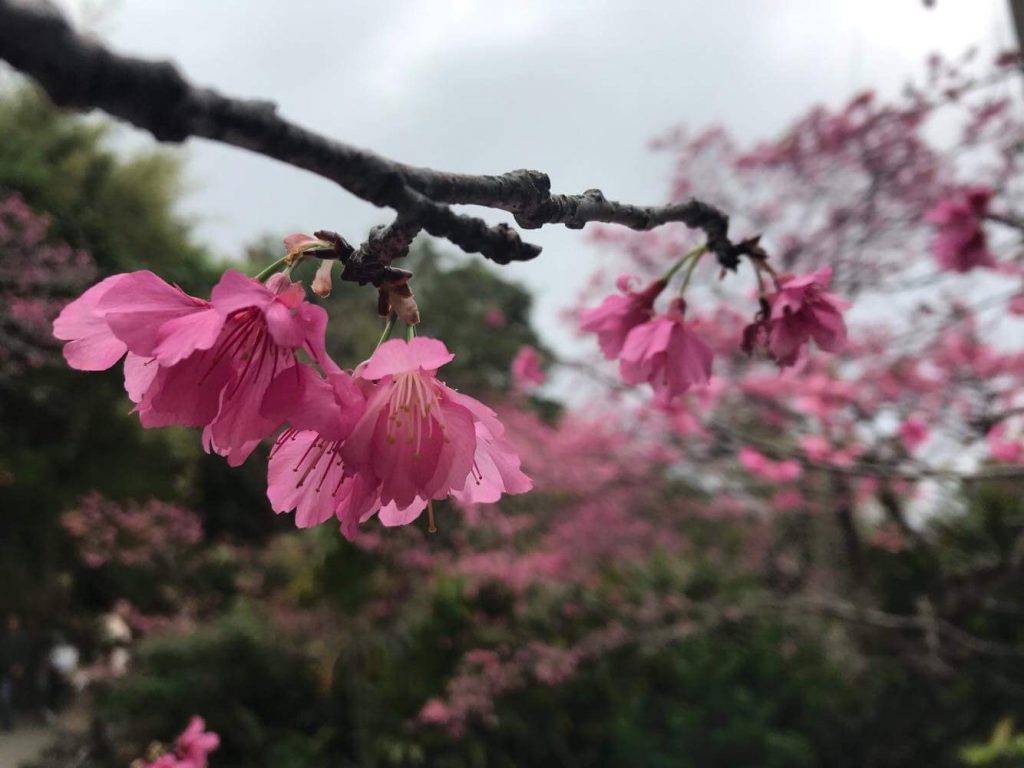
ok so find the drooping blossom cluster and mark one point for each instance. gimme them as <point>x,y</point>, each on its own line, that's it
<point>388,438</point>
<point>191,749</point>
<point>800,310</point>
<point>662,350</point>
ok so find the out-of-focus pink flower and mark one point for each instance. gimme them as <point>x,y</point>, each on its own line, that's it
<point>666,353</point>
<point>196,743</point>
<point>1015,306</point>
<point>617,315</point>
<point>526,370</point>
<point>801,309</point>
<point>913,432</point>
<point>817,448</point>
<point>494,318</point>
<point>960,244</point>
<point>1003,449</point>
<point>191,749</point>
<point>773,471</point>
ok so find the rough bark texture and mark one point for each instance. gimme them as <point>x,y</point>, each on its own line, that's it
<point>79,72</point>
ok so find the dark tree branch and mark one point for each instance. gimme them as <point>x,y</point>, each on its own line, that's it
<point>75,71</point>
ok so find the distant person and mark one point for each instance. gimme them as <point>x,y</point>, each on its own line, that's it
<point>62,663</point>
<point>116,636</point>
<point>15,654</point>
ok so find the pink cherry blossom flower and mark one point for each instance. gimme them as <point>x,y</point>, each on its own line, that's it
<point>122,310</point>
<point>191,749</point>
<point>913,432</point>
<point>665,352</point>
<point>387,443</point>
<point>192,362</point>
<point>617,315</point>
<point>526,370</point>
<point>251,339</point>
<point>418,437</point>
<point>960,244</point>
<point>800,310</point>
<point>196,743</point>
<point>495,463</point>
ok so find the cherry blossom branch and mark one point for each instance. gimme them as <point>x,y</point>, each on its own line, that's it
<point>79,72</point>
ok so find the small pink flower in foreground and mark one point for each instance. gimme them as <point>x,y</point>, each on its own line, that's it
<point>913,433</point>
<point>526,370</point>
<point>191,749</point>
<point>800,310</point>
<point>617,315</point>
<point>196,743</point>
<point>773,471</point>
<point>666,353</point>
<point>960,244</point>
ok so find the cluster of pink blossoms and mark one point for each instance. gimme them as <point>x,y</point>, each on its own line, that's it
<point>667,352</point>
<point>191,749</point>
<point>387,438</point>
<point>799,310</point>
<point>960,244</point>
<point>662,350</point>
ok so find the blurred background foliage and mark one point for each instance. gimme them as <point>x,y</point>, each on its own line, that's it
<point>302,649</point>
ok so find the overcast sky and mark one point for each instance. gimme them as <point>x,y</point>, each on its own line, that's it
<point>572,87</point>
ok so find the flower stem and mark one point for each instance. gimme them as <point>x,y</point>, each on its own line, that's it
<point>431,525</point>
<point>410,332</point>
<point>693,265</point>
<point>387,330</point>
<point>271,269</point>
<point>695,254</point>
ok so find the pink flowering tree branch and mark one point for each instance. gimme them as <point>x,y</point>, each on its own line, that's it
<point>79,72</point>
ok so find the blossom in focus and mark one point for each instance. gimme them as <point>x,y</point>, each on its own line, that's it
<point>526,370</point>
<point>800,310</point>
<point>196,363</point>
<point>617,315</point>
<point>960,244</point>
<point>387,441</point>
<point>665,352</point>
<point>418,436</point>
